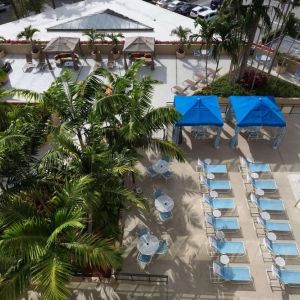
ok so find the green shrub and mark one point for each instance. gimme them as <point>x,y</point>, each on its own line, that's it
<point>274,87</point>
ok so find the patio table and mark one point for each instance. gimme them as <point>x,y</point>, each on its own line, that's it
<point>210,176</point>
<point>213,194</point>
<point>161,166</point>
<point>148,244</point>
<point>280,261</point>
<point>224,259</point>
<point>164,203</point>
<point>254,175</point>
<point>259,192</point>
<point>265,216</point>
<point>217,213</point>
<point>271,236</point>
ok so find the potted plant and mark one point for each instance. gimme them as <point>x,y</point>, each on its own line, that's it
<point>2,52</point>
<point>93,35</point>
<point>281,63</point>
<point>3,77</point>
<point>183,35</point>
<point>115,42</point>
<point>28,34</point>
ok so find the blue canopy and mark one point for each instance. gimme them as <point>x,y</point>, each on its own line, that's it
<point>198,110</point>
<point>256,111</point>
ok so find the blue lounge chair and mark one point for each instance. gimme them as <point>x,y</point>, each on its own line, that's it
<point>217,185</point>
<point>264,184</point>
<point>255,167</point>
<point>145,259</point>
<point>157,193</point>
<point>151,172</point>
<point>275,205</point>
<point>227,247</point>
<point>162,248</point>
<point>281,248</point>
<point>211,168</point>
<point>290,277</point>
<point>142,231</point>
<point>165,216</point>
<point>219,203</point>
<point>277,226</point>
<point>230,273</point>
<point>226,223</point>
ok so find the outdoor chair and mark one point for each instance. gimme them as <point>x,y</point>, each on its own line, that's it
<point>162,248</point>
<point>29,64</point>
<point>144,260</point>
<point>193,84</point>
<point>212,168</point>
<point>227,247</point>
<point>281,248</point>
<point>223,223</point>
<point>157,193</point>
<point>142,231</point>
<point>255,167</point>
<point>268,185</point>
<point>167,175</point>
<point>276,226</point>
<point>165,216</point>
<point>216,185</point>
<point>289,277</point>
<point>176,89</point>
<point>274,205</point>
<point>219,203</point>
<point>151,172</point>
<point>239,274</point>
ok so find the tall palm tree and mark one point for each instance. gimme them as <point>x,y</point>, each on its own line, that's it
<point>206,34</point>
<point>115,41</point>
<point>42,247</point>
<point>183,35</point>
<point>28,33</point>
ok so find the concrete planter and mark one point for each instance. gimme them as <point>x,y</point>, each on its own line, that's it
<point>35,55</point>
<point>180,55</point>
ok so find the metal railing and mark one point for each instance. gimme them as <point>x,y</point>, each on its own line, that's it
<point>152,278</point>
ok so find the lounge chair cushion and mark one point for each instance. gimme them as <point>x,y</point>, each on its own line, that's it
<point>277,226</point>
<point>265,184</point>
<point>288,249</point>
<point>226,223</point>
<point>219,184</point>
<point>271,204</point>
<point>217,169</point>
<point>228,247</point>
<point>236,273</point>
<point>259,167</point>
<point>289,276</point>
<point>222,203</point>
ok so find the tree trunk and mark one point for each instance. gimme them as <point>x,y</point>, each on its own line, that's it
<point>15,9</point>
<point>53,4</point>
<point>90,222</point>
<point>247,49</point>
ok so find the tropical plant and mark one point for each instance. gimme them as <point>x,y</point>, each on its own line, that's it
<point>93,36</point>
<point>183,36</point>
<point>206,33</point>
<point>44,244</point>
<point>28,34</point>
<point>115,41</point>
<point>35,5</point>
<point>3,76</point>
<point>281,59</point>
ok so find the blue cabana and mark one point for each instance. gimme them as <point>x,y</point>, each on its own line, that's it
<point>198,111</point>
<point>255,111</point>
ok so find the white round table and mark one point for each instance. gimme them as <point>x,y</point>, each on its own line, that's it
<point>217,213</point>
<point>280,261</point>
<point>161,166</point>
<point>213,194</point>
<point>271,236</point>
<point>148,244</point>
<point>164,203</point>
<point>254,175</point>
<point>224,259</point>
<point>265,215</point>
<point>207,161</point>
<point>210,176</point>
<point>220,235</point>
<point>259,192</point>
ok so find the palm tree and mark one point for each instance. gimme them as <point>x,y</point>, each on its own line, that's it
<point>93,36</point>
<point>183,35</point>
<point>28,34</point>
<point>43,246</point>
<point>115,41</point>
<point>206,34</point>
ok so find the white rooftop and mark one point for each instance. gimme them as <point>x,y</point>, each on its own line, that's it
<point>160,19</point>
